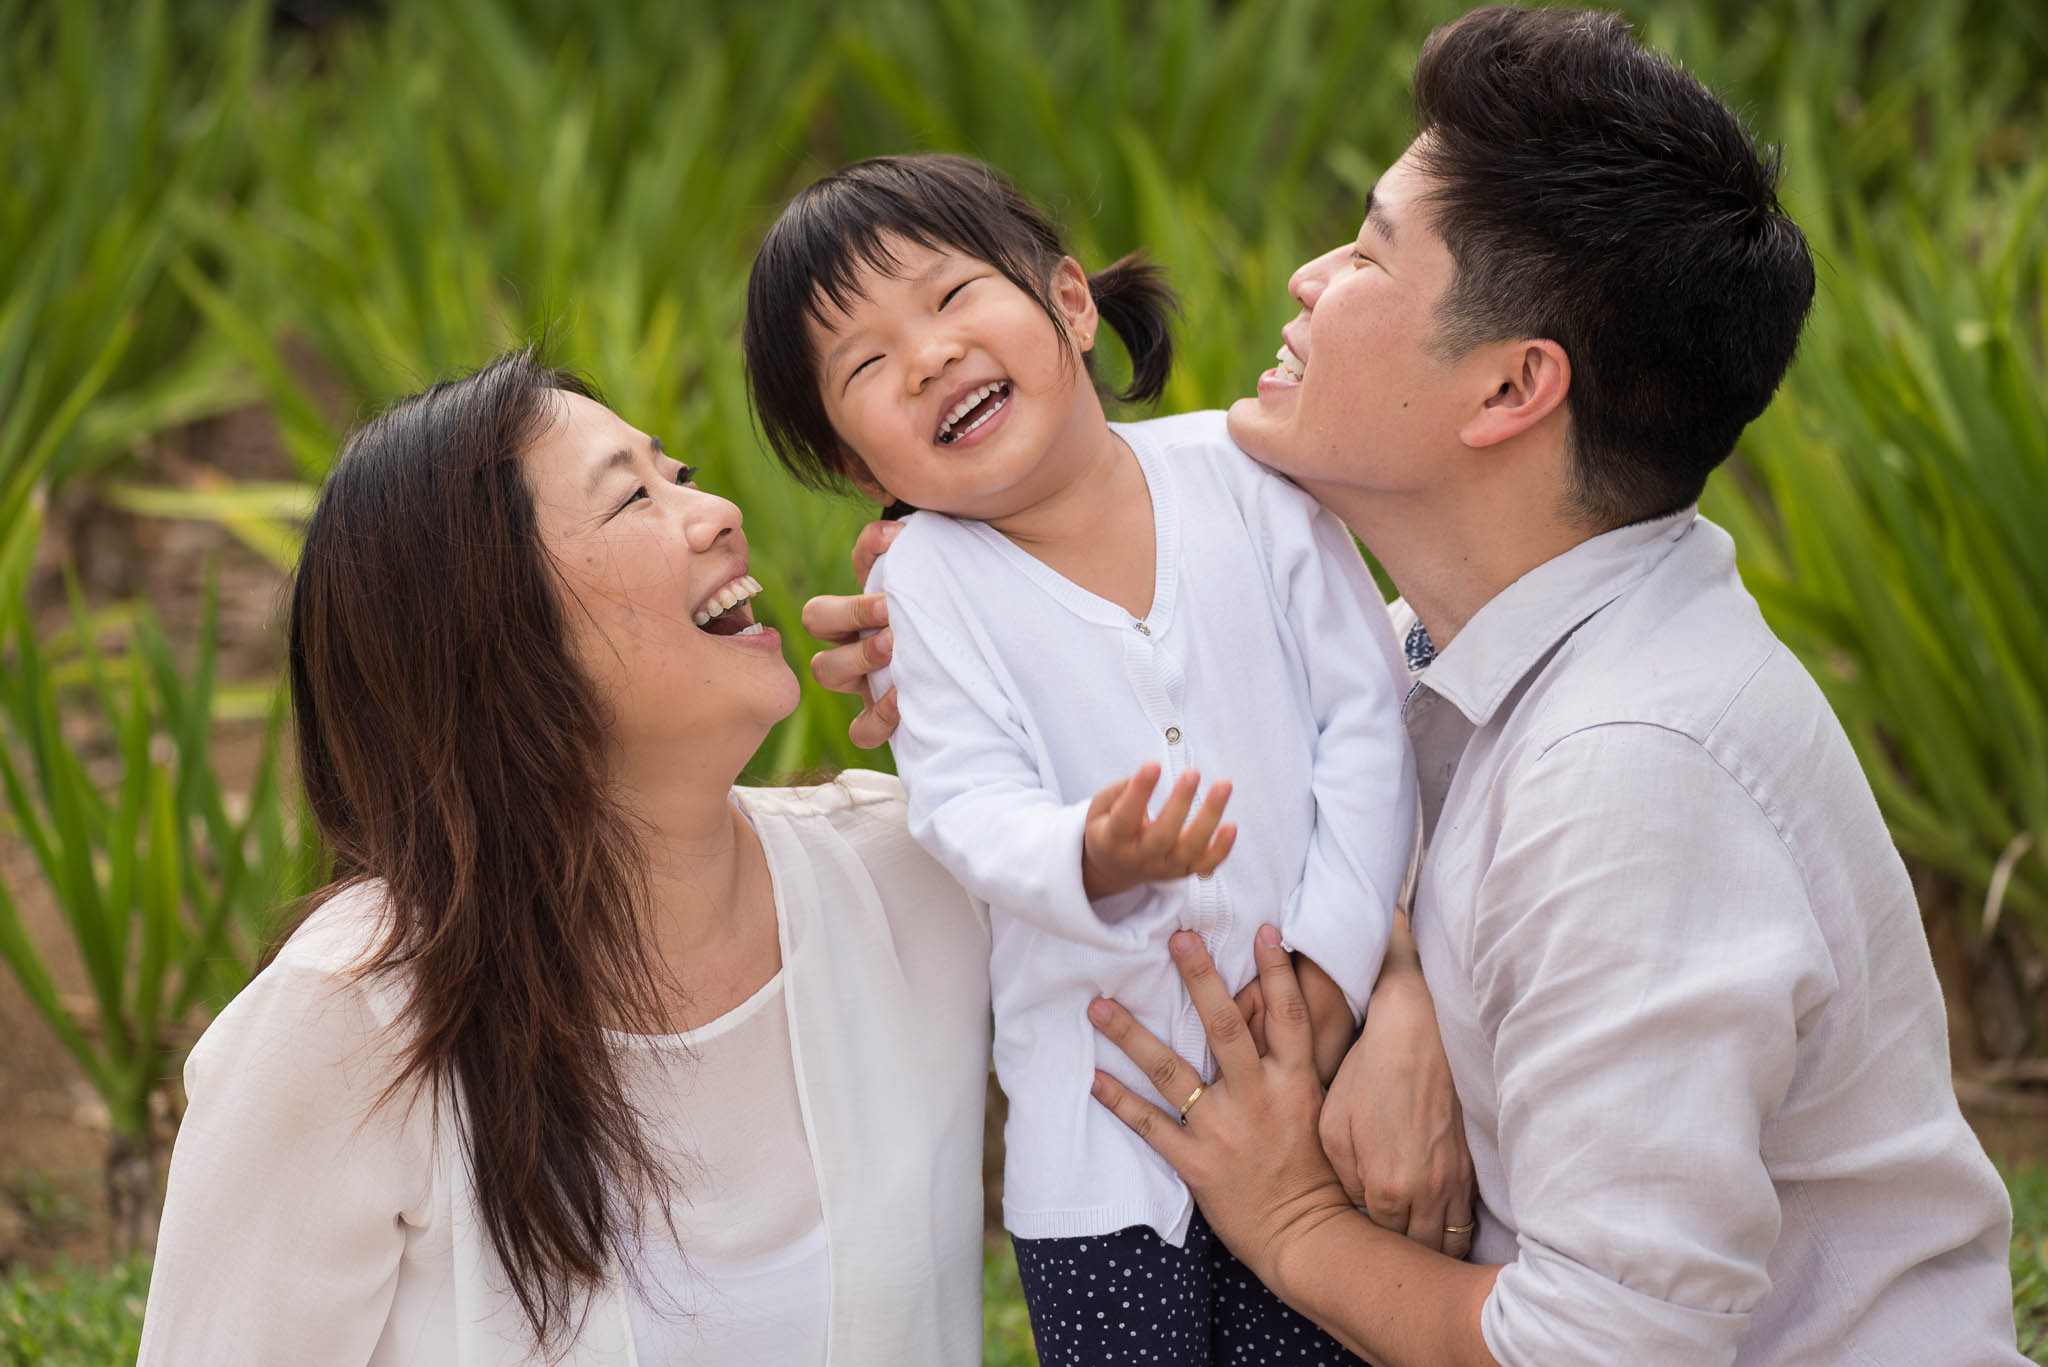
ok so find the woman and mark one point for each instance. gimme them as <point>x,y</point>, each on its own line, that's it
<point>587,1056</point>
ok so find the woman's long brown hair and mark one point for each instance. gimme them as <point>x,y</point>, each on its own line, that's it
<point>452,749</point>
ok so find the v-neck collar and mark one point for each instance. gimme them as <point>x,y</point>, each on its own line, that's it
<point>1165,549</point>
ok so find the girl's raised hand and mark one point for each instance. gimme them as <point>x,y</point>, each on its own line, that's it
<point>1121,846</point>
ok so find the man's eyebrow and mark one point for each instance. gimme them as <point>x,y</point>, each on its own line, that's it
<point>1376,216</point>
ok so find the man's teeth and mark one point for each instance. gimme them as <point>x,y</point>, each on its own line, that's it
<point>1291,365</point>
<point>755,630</point>
<point>738,591</point>
<point>966,406</point>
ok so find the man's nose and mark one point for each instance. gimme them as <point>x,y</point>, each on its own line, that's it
<point>1309,279</point>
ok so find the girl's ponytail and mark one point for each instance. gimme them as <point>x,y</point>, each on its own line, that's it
<point>1132,296</point>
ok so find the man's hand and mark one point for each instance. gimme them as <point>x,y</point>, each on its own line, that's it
<point>1329,1015</point>
<point>1391,1124</point>
<point>842,620</point>
<point>1122,847</point>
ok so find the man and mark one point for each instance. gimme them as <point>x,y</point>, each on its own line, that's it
<point>1676,961</point>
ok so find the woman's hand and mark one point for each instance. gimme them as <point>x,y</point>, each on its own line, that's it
<point>1391,1125</point>
<point>841,619</point>
<point>1248,1147</point>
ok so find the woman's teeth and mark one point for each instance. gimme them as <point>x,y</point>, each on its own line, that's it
<point>728,598</point>
<point>999,388</point>
<point>1291,365</point>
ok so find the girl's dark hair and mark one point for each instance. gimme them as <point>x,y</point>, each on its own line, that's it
<point>839,226</point>
<point>1592,192</point>
<point>452,748</point>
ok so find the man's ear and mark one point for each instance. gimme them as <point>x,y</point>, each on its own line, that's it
<point>1076,304</point>
<point>1531,382</point>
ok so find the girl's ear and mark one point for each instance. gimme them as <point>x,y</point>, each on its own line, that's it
<point>860,477</point>
<point>1076,304</point>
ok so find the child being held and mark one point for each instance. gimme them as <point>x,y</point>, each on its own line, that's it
<point>1082,609</point>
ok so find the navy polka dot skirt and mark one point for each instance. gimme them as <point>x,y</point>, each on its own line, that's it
<point>1131,1297</point>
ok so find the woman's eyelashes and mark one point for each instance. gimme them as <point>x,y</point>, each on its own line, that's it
<point>685,475</point>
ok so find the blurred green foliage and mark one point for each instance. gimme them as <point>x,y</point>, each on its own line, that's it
<point>74,1316</point>
<point>198,212</point>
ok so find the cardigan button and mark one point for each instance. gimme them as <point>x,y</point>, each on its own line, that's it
<point>1143,630</point>
<point>1173,735</point>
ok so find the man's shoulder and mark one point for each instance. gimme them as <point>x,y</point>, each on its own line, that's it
<point>1681,682</point>
<point>1681,650</point>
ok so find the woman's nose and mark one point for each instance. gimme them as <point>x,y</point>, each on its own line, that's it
<point>707,518</point>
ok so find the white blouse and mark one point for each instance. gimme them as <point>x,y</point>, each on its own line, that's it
<point>301,1226</point>
<point>744,1281</point>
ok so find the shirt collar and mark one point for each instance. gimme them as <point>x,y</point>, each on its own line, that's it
<point>1524,622</point>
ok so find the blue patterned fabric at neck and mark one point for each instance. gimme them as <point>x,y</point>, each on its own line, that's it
<point>1419,649</point>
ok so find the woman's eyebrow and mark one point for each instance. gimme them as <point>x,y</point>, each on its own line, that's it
<point>622,456</point>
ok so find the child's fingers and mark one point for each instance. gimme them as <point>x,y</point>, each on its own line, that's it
<point>1127,814</point>
<point>1162,837</point>
<point>1102,802</point>
<point>1218,850</point>
<point>1196,835</point>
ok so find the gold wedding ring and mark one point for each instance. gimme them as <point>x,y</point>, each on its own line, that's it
<point>1189,1104</point>
<point>1465,1228</point>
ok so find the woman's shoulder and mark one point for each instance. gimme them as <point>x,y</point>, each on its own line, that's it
<point>321,966</point>
<point>311,1009</point>
<point>856,795</point>
<point>342,932</point>
<point>865,814</point>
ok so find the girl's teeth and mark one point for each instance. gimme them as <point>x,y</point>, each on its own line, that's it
<point>1291,365</point>
<point>755,630</point>
<point>966,406</point>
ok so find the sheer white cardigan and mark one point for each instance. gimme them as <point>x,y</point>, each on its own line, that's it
<point>300,1226</point>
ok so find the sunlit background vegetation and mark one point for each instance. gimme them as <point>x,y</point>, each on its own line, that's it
<point>226,231</point>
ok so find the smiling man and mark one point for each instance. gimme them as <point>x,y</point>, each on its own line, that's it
<point>1677,964</point>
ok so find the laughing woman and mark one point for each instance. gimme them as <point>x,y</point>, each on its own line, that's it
<point>587,1055</point>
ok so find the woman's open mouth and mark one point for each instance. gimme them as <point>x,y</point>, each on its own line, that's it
<point>973,412</point>
<point>728,614</point>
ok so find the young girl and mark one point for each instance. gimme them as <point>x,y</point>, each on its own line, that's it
<point>1081,609</point>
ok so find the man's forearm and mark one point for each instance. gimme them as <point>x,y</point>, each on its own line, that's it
<point>1386,1297</point>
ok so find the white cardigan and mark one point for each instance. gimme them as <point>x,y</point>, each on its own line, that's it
<point>299,1227</point>
<point>1265,658</point>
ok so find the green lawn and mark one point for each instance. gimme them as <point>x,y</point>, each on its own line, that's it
<point>90,1317</point>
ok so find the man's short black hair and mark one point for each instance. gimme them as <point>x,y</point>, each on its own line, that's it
<point>1593,193</point>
